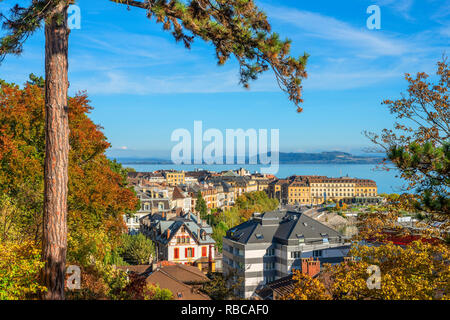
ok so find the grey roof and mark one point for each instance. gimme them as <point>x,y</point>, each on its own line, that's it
<point>159,224</point>
<point>282,226</point>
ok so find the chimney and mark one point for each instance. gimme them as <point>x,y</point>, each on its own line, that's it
<point>304,265</point>
<point>310,266</point>
<point>313,267</point>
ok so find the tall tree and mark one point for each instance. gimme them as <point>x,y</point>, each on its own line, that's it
<point>234,27</point>
<point>54,244</point>
<point>200,206</point>
<point>419,143</point>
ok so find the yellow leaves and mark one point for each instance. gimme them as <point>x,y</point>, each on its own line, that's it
<point>19,270</point>
<point>417,271</point>
<point>307,288</point>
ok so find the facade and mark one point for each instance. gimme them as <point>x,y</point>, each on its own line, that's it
<point>181,199</point>
<point>174,178</point>
<point>277,189</point>
<point>269,246</point>
<point>298,192</point>
<point>153,200</point>
<point>317,190</point>
<point>182,239</point>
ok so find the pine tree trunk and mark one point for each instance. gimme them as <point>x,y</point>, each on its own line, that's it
<point>54,244</point>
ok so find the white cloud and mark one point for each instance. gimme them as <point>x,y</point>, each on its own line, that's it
<point>328,28</point>
<point>127,83</point>
<point>402,7</point>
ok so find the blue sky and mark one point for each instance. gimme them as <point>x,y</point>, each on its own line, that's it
<point>143,85</point>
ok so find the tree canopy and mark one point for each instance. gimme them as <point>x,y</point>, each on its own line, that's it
<point>235,28</point>
<point>98,191</point>
<point>419,143</point>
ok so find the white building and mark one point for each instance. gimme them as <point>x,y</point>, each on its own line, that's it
<point>270,246</point>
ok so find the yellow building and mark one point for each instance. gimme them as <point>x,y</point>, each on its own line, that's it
<point>277,189</point>
<point>315,190</point>
<point>365,188</point>
<point>174,178</point>
<point>298,192</point>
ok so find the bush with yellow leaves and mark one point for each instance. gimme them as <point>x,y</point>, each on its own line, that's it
<point>20,264</point>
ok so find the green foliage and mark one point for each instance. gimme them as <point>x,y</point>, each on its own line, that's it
<point>419,144</point>
<point>221,287</point>
<point>219,231</point>
<point>152,292</point>
<point>201,206</point>
<point>245,206</point>
<point>37,81</point>
<point>101,281</point>
<point>22,23</point>
<point>137,249</point>
<point>427,167</point>
<point>235,28</point>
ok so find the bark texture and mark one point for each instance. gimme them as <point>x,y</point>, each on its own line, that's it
<point>54,244</point>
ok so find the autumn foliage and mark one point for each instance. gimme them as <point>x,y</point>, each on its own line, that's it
<point>98,192</point>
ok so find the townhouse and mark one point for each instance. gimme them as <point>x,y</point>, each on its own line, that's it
<point>181,238</point>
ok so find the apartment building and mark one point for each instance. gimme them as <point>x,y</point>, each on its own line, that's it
<point>153,199</point>
<point>315,190</point>
<point>174,178</point>
<point>270,245</point>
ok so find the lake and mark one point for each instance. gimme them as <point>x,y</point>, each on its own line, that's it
<point>387,181</point>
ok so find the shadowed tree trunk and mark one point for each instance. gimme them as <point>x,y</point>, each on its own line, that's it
<point>54,244</point>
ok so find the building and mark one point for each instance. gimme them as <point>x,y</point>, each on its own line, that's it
<point>181,199</point>
<point>270,245</point>
<point>184,239</point>
<point>182,280</point>
<point>262,184</point>
<point>277,189</point>
<point>153,200</point>
<point>317,190</point>
<point>298,192</point>
<point>278,289</point>
<point>174,178</point>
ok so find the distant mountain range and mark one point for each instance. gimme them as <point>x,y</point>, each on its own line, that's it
<point>329,157</point>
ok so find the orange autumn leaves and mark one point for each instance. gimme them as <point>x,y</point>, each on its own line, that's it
<point>98,194</point>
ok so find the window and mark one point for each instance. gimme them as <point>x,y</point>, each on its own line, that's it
<point>204,251</point>
<point>189,252</point>
<point>269,265</point>
<point>317,253</point>
<point>176,253</point>
<point>271,252</point>
<point>296,254</point>
<point>269,279</point>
